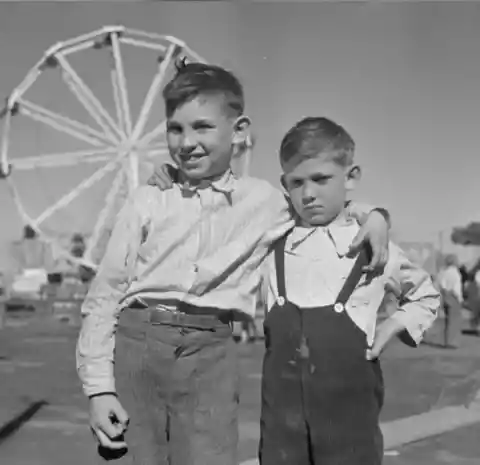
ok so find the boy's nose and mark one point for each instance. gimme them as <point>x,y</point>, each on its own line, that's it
<point>189,142</point>
<point>308,194</point>
<point>307,200</point>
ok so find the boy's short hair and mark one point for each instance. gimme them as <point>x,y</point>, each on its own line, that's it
<point>194,79</point>
<point>313,136</point>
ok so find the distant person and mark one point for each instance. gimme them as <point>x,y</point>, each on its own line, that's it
<point>322,386</point>
<point>472,299</point>
<point>450,284</point>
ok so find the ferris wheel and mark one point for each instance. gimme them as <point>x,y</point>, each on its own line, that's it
<point>115,144</point>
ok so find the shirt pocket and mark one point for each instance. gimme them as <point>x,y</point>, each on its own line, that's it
<point>361,298</point>
<point>357,303</point>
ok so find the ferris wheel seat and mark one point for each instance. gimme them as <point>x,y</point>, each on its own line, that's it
<point>5,172</point>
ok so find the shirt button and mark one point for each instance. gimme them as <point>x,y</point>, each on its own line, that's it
<point>195,268</point>
<point>338,307</point>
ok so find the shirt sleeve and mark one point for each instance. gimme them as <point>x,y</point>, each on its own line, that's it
<point>360,212</point>
<point>418,298</point>
<point>100,310</point>
<point>279,216</point>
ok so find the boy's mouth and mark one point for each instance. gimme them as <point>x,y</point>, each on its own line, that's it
<point>189,157</point>
<point>313,208</point>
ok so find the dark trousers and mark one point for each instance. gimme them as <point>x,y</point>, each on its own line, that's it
<point>321,398</point>
<point>453,320</point>
<point>180,387</point>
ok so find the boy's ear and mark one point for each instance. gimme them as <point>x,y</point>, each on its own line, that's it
<point>241,129</point>
<point>353,176</point>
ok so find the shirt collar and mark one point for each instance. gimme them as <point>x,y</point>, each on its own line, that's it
<point>225,184</point>
<point>341,232</point>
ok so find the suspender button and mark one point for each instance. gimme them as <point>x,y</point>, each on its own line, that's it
<point>281,301</point>
<point>338,307</point>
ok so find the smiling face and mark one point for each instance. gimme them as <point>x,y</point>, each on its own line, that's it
<point>201,136</point>
<point>318,187</point>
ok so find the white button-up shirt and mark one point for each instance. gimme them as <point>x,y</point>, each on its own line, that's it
<point>316,268</point>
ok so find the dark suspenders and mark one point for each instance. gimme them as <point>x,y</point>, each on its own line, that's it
<point>349,285</point>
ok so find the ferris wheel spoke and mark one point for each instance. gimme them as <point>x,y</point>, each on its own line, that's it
<point>4,165</point>
<point>120,87</point>
<point>85,184</point>
<point>116,98</point>
<point>153,91</point>
<point>62,123</point>
<point>99,227</point>
<point>52,160</point>
<point>86,97</point>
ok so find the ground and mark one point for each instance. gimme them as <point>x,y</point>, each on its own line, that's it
<point>39,381</point>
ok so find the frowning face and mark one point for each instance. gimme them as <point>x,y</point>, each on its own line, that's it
<point>318,188</point>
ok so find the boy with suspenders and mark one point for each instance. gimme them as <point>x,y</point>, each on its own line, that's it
<point>322,387</point>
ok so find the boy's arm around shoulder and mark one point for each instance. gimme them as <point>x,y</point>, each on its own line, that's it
<point>95,346</point>
<point>418,298</point>
<point>276,213</point>
<point>360,211</point>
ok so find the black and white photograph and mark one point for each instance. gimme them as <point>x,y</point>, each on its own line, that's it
<point>176,180</point>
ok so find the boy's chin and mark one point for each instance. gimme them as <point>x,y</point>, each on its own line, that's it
<point>313,221</point>
<point>195,173</point>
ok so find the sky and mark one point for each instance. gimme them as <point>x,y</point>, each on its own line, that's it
<point>403,79</point>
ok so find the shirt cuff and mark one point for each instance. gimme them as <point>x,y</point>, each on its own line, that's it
<point>99,386</point>
<point>100,394</point>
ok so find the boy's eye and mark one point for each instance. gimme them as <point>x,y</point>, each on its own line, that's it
<point>174,128</point>
<point>202,127</point>
<point>296,183</point>
<point>320,179</point>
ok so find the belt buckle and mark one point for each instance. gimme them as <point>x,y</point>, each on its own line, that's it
<point>163,308</point>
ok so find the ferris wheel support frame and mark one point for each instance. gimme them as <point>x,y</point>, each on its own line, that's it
<point>118,143</point>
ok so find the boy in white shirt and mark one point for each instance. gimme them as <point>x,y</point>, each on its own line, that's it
<point>322,387</point>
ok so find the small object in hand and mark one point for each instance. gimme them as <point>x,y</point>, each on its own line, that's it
<point>112,454</point>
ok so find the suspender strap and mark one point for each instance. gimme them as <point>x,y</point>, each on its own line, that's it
<point>349,285</point>
<point>280,266</point>
<point>354,277</point>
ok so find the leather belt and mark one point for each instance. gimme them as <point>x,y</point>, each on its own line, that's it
<point>190,316</point>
